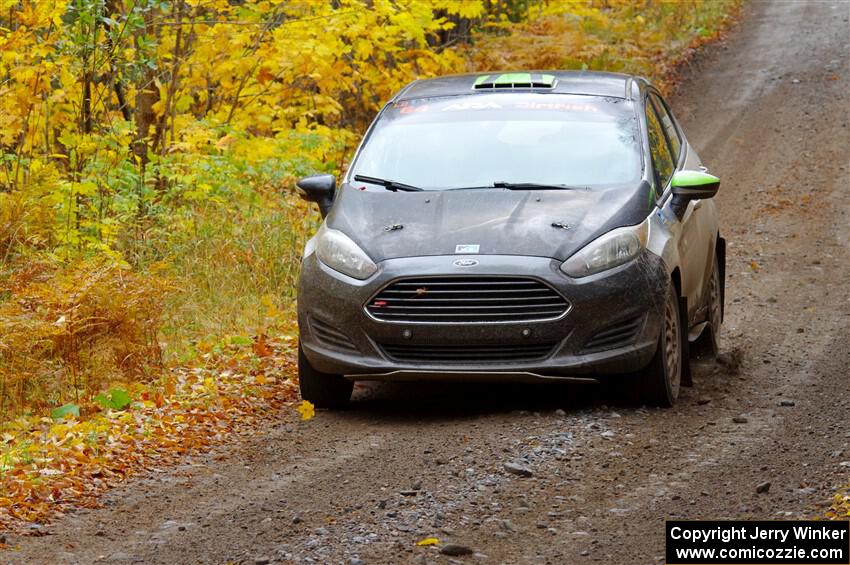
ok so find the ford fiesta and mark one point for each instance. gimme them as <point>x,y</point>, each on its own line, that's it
<point>520,226</point>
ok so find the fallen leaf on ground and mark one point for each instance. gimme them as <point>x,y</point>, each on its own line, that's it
<point>306,409</point>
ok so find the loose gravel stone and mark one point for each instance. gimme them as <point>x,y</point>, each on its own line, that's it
<point>456,549</point>
<point>517,469</point>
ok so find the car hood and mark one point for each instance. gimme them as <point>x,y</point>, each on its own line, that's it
<point>389,225</point>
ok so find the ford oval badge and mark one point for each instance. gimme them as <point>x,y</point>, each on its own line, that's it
<point>465,263</point>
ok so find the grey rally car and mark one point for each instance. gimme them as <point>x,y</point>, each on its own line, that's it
<point>514,226</point>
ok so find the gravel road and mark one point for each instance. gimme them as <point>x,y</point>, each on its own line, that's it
<point>552,474</point>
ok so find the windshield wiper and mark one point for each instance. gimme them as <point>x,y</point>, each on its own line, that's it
<point>388,184</point>
<point>533,186</point>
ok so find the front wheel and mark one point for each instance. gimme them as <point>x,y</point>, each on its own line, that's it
<point>659,383</point>
<point>324,390</point>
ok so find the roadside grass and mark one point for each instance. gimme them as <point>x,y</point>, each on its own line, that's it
<point>48,465</point>
<point>236,277</point>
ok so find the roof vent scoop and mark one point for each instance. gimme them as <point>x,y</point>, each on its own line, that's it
<point>514,80</point>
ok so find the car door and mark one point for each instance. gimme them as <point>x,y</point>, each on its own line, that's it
<point>698,225</point>
<point>665,163</point>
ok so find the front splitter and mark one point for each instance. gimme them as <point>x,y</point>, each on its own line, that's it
<point>470,376</point>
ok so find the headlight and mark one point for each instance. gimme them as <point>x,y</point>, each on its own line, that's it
<point>337,251</point>
<point>608,251</point>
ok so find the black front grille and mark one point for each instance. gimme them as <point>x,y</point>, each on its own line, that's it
<point>330,336</point>
<point>467,299</point>
<point>616,335</point>
<point>452,354</point>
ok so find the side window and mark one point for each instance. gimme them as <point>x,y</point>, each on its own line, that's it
<point>662,161</point>
<point>668,125</point>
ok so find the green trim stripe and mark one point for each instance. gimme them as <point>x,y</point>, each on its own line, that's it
<point>513,78</point>
<point>520,80</point>
<point>693,178</point>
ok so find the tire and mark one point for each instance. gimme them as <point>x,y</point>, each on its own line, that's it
<point>707,344</point>
<point>659,383</point>
<point>324,390</point>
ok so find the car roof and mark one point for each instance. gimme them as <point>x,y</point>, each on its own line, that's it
<point>590,83</point>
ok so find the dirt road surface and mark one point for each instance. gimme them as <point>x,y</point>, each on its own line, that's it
<point>768,112</point>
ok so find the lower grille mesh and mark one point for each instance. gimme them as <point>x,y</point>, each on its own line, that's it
<point>451,354</point>
<point>616,335</point>
<point>330,336</point>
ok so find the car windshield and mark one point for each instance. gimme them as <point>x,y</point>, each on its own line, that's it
<point>476,141</point>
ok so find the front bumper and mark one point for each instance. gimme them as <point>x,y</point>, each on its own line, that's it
<point>338,336</point>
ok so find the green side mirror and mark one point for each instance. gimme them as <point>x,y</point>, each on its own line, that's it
<point>693,185</point>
